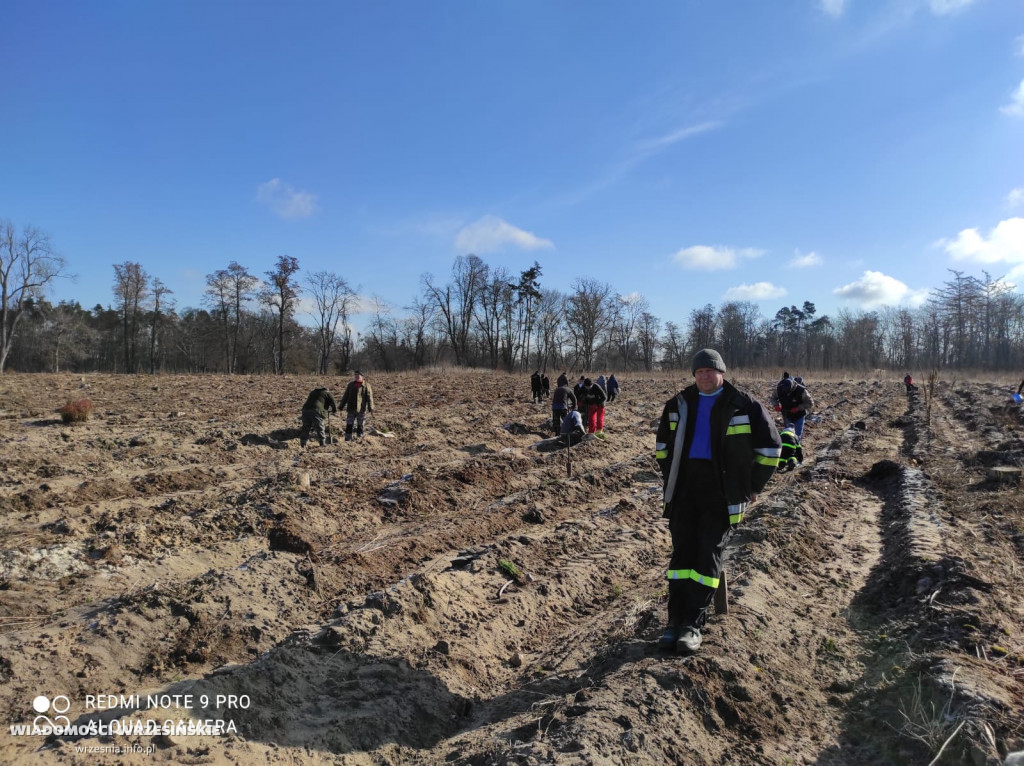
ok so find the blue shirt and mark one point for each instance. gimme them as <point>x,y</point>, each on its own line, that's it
<point>700,447</point>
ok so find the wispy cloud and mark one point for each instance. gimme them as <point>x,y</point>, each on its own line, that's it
<point>804,260</point>
<point>946,7</point>
<point>875,289</point>
<point>285,200</point>
<point>1005,244</point>
<point>638,153</point>
<point>713,258</point>
<point>833,8</point>
<point>1016,105</point>
<point>1018,46</point>
<point>759,291</point>
<point>491,234</point>
<point>1015,198</point>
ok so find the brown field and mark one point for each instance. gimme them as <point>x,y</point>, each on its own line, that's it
<point>443,593</point>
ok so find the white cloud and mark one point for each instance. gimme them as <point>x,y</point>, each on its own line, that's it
<point>760,291</point>
<point>833,7</point>
<point>804,260</point>
<point>875,289</point>
<point>713,258</point>
<point>945,7</point>
<point>1016,105</point>
<point>1015,198</point>
<point>491,234</point>
<point>286,200</point>
<point>1004,245</point>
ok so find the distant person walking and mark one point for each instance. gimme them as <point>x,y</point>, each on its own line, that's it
<point>613,387</point>
<point>562,400</point>
<point>717,448</point>
<point>536,386</point>
<point>357,401</point>
<point>794,402</point>
<point>563,380</point>
<point>908,381</point>
<point>545,386</point>
<point>314,414</point>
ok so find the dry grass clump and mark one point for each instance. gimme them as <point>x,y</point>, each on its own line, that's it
<point>76,411</point>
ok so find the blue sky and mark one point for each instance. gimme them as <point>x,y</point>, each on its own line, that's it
<point>845,152</point>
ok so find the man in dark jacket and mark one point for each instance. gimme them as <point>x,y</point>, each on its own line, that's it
<point>794,403</point>
<point>563,399</point>
<point>536,386</point>
<point>613,388</point>
<point>356,401</point>
<point>314,413</point>
<point>717,447</point>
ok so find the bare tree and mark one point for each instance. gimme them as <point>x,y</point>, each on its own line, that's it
<point>334,300</point>
<point>422,314</point>
<point>496,296</point>
<point>456,301</point>
<point>549,315</point>
<point>228,290</point>
<point>673,347</point>
<point>630,309</point>
<point>281,295</point>
<point>131,288</point>
<point>28,265</point>
<point>157,321</point>
<point>589,314</point>
<point>703,328</point>
<point>647,336</point>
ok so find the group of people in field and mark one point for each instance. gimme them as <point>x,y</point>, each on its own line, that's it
<point>579,409</point>
<point>357,401</point>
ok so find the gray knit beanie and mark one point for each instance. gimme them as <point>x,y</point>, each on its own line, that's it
<point>707,357</point>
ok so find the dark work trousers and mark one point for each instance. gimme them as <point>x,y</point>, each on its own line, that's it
<point>700,531</point>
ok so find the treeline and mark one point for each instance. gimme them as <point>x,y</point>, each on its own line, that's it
<point>483,316</point>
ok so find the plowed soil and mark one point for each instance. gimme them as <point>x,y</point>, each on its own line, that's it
<point>444,592</point>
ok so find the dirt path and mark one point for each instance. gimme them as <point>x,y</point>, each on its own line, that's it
<point>447,594</point>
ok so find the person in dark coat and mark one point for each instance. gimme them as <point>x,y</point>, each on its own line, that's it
<point>613,387</point>
<point>535,386</point>
<point>563,380</point>
<point>314,415</point>
<point>357,401</point>
<point>562,400</point>
<point>578,391</point>
<point>545,386</point>
<point>796,402</point>
<point>717,448</point>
